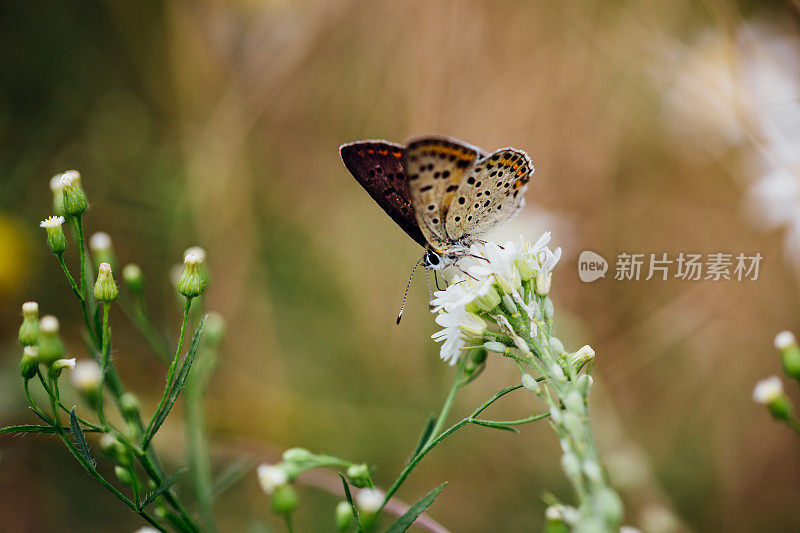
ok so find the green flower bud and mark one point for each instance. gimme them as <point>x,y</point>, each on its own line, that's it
<point>526,273</point>
<point>124,475</point>
<point>343,516</point>
<point>572,423</point>
<point>786,344</point>
<point>50,346</point>
<point>59,365</point>
<point>571,465</point>
<point>112,448</point>
<point>494,346</point>
<point>284,500</point>
<point>129,405</point>
<point>56,239</point>
<point>29,330</point>
<point>584,384</point>
<point>75,202</point>
<point>134,279</point>
<point>214,332</point>
<point>194,278</point>
<point>574,402</point>
<point>102,250</point>
<point>611,506</point>
<point>58,195</point>
<point>549,309</point>
<point>85,377</point>
<point>359,476</point>
<point>530,384</point>
<point>769,392</point>
<point>298,455</point>
<point>580,358</point>
<point>556,346</point>
<point>105,289</point>
<point>29,362</point>
<point>543,283</point>
<point>475,361</point>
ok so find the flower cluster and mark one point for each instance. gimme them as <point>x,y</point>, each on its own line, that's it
<point>502,278</point>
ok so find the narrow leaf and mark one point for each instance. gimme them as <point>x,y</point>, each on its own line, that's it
<point>33,428</point>
<point>352,505</point>
<point>177,385</point>
<point>231,475</point>
<point>163,488</point>
<point>494,425</point>
<point>80,440</point>
<point>424,436</point>
<point>405,521</point>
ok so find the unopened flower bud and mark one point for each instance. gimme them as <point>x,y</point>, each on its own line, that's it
<point>284,500</point>
<point>593,471</point>
<point>129,405</point>
<point>50,346</point>
<point>610,505</point>
<point>530,383</point>
<point>574,402</point>
<point>75,202</point>
<point>214,332</point>
<point>29,329</point>
<point>786,344</point>
<point>572,423</point>
<point>369,501</point>
<point>102,249</point>
<point>124,475</point>
<point>271,477</point>
<point>526,273</point>
<point>543,283</point>
<point>359,475</point>
<point>555,415</point>
<point>114,449</point>
<point>85,378</point>
<point>494,346</point>
<point>59,365</point>
<point>769,392</point>
<point>134,278</point>
<point>571,465</point>
<point>56,239</point>
<point>194,279</point>
<point>557,372</point>
<point>343,516</point>
<point>29,362</point>
<point>584,384</point>
<point>58,195</point>
<point>580,358</point>
<point>549,309</point>
<point>556,347</point>
<point>297,455</point>
<point>105,288</point>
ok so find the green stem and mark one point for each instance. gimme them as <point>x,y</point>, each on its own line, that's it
<point>793,423</point>
<point>103,366</point>
<point>289,527</point>
<point>172,367</point>
<point>64,407</point>
<point>78,292</point>
<point>448,404</point>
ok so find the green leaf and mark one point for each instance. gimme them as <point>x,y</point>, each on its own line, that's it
<point>231,475</point>
<point>177,385</point>
<point>424,436</point>
<point>494,425</point>
<point>163,488</point>
<point>352,505</point>
<point>80,440</point>
<point>408,518</point>
<point>33,428</point>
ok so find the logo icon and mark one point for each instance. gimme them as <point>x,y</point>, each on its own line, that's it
<point>591,266</point>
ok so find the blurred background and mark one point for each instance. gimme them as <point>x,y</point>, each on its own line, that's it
<point>654,127</point>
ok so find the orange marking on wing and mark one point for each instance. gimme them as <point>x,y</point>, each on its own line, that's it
<point>383,152</point>
<point>397,154</point>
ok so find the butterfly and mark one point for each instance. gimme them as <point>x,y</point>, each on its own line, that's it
<point>444,193</point>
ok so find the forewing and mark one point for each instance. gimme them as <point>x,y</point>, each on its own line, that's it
<point>492,193</point>
<point>435,166</point>
<point>378,167</point>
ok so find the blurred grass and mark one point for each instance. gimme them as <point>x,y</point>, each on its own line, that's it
<point>217,123</point>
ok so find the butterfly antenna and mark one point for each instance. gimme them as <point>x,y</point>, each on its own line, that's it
<point>430,291</point>
<point>408,286</point>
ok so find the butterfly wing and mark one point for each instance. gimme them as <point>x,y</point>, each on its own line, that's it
<point>492,193</point>
<point>435,167</point>
<point>378,167</point>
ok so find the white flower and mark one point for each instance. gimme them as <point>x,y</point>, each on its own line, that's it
<point>784,340</point>
<point>196,250</point>
<point>48,324</point>
<point>768,390</point>
<point>70,178</point>
<point>51,222</point>
<point>146,529</point>
<point>579,358</point>
<point>86,375</point>
<point>459,326</point>
<point>369,500</point>
<point>499,264</point>
<point>271,477</point>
